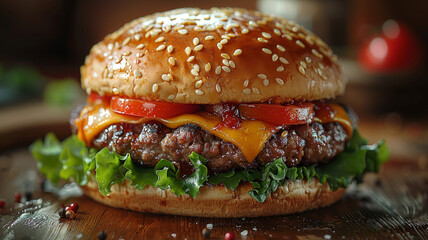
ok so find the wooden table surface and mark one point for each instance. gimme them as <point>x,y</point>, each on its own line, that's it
<point>392,205</point>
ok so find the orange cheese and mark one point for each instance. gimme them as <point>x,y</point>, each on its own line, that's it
<point>334,113</point>
<point>250,138</point>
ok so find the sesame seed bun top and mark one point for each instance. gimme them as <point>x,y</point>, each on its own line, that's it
<point>212,56</point>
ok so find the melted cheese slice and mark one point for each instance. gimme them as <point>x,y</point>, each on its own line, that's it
<point>250,138</point>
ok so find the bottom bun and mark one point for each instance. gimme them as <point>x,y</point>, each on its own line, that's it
<point>218,201</point>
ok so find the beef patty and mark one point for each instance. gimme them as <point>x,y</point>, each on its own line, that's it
<point>150,142</point>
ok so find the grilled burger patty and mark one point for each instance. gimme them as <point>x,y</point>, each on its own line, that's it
<point>150,142</point>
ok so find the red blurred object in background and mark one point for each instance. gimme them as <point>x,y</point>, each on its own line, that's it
<point>395,49</point>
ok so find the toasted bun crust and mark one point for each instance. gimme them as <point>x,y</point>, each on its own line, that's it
<point>212,56</point>
<point>217,201</point>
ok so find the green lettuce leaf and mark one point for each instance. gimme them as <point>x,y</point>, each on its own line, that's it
<point>71,159</point>
<point>47,157</point>
<point>139,176</point>
<point>108,169</point>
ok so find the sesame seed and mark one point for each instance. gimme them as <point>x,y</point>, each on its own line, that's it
<point>170,76</point>
<point>256,90</point>
<point>218,70</point>
<point>117,45</point>
<point>317,54</point>
<point>245,31</point>
<point>115,91</point>
<point>266,82</point>
<point>137,37</point>
<point>266,35</point>
<point>219,46</point>
<point>294,29</point>
<point>283,60</point>
<point>188,51</point>
<point>105,73</point>
<point>280,48</point>
<point>196,66</point>
<point>171,97</point>
<point>194,72</point>
<point>246,91</point>
<point>191,58</point>
<point>225,36</point>
<point>279,81</point>
<point>225,55</point>
<point>171,61</point>
<point>226,69</point>
<point>155,87</point>
<point>260,39</point>
<point>252,24</point>
<point>137,73</point>
<point>237,52</point>
<point>321,65</point>
<point>277,31</point>
<point>126,41</point>
<point>159,39</point>
<point>223,41</point>
<point>235,25</point>
<point>217,87</point>
<point>165,77</point>
<point>225,62</point>
<point>140,46</point>
<point>161,47</point>
<point>139,54</point>
<point>209,37</point>
<point>183,31</point>
<point>267,50</point>
<point>246,82</point>
<point>301,35</point>
<point>262,76</point>
<point>231,34</point>
<point>309,40</point>
<point>308,59</point>
<point>232,64</point>
<point>302,70</point>
<point>198,47</point>
<point>303,64</point>
<point>166,28</point>
<point>195,41</point>
<point>207,67</point>
<point>110,46</point>
<point>170,48</point>
<point>288,36</point>
<point>280,68</point>
<point>127,53</point>
<point>110,75</point>
<point>274,57</point>
<point>198,84</point>
<point>300,44</point>
<point>199,92</point>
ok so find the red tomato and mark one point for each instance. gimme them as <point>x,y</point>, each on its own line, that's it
<point>278,114</point>
<point>95,98</point>
<point>153,109</point>
<point>396,48</point>
<point>229,114</point>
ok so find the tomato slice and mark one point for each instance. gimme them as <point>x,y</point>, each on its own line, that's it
<point>153,109</point>
<point>96,98</point>
<point>278,114</point>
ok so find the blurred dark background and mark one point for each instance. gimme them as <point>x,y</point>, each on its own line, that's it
<point>380,43</point>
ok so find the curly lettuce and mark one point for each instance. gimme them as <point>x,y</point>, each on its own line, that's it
<point>72,160</point>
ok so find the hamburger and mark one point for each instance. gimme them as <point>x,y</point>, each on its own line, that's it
<point>215,113</point>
